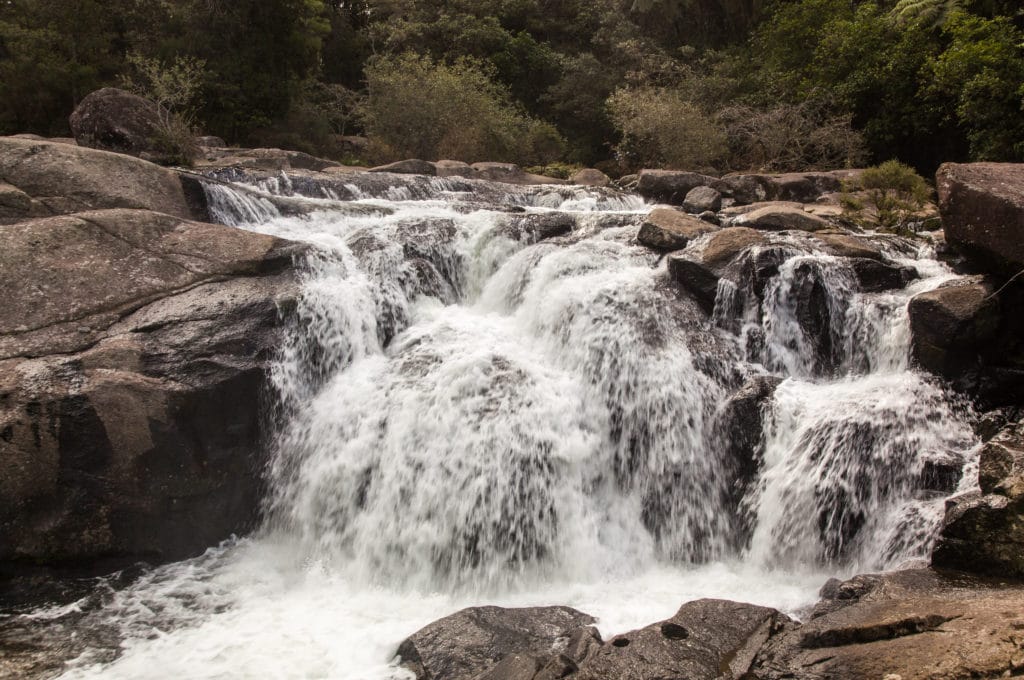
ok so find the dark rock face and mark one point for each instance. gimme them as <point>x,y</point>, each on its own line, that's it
<point>706,639</point>
<point>669,229</point>
<point>670,186</point>
<point>724,246</point>
<point>951,321</point>
<point>908,624</point>
<point>56,179</point>
<point>408,167</point>
<point>134,352</point>
<point>495,642</point>
<point>875,276</point>
<point>984,532</point>
<point>982,207</point>
<point>114,120</point>
<point>696,279</point>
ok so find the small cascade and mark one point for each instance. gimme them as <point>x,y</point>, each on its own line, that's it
<point>236,208</point>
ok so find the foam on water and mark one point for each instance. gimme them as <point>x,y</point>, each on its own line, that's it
<point>469,417</point>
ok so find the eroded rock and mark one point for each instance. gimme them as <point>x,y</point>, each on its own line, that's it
<point>669,229</point>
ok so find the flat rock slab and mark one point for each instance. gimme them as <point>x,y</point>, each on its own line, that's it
<point>66,179</point>
<point>782,218</point>
<point>982,208</point>
<point>913,625</point>
<point>669,229</point>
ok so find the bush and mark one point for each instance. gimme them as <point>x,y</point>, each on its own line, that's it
<point>175,88</point>
<point>894,191</point>
<point>660,128</point>
<point>416,107</point>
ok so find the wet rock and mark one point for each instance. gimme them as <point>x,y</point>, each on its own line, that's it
<point>669,229</point>
<point>591,177</point>
<point>782,218</point>
<point>61,179</point>
<point>906,624</point>
<point>533,228</point>
<point>498,642</point>
<point>114,120</point>
<point>706,639</point>
<point>951,321</point>
<point>982,207</point>
<point>726,245</point>
<point>847,245</point>
<point>670,186</point>
<point>875,276</point>
<point>1001,463</point>
<point>408,167</point>
<point>710,217</point>
<point>697,280</point>
<point>134,354</point>
<point>702,199</point>
<point>941,473</point>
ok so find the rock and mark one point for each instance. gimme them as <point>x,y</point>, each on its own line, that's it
<point>696,279</point>
<point>276,160</point>
<point>912,624</point>
<point>982,207</point>
<point>114,120</point>
<point>668,229</point>
<point>706,639</point>
<point>847,245</point>
<point>211,141</point>
<point>475,641</point>
<point>134,353</point>
<point>710,218</point>
<point>63,179</point>
<point>724,246</point>
<point>782,218</point>
<point>702,199</point>
<point>949,323</point>
<point>16,205</point>
<point>510,173</point>
<point>670,186</point>
<point>408,167</point>
<point>875,276</point>
<point>744,189</point>
<point>591,177</point>
<point>984,532</point>
<point>454,169</point>
<point>532,228</point>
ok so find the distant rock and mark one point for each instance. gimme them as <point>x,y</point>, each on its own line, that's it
<point>114,120</point>
<point>781,218</point>
<point>511,173</point>
<point>61,178</point>
<point>670,186</point>
<point>454,169</point>
<point>702,199</point>
<point>134,353</point>
<point>669,229</point>
<point>982,207</point>
<point>799,187</point>
<point>705,640</point>
<point>590,177</point>
<point>210,141</point>
<point>276,160</point>
<point>494,642</point>
<point>408,167</point>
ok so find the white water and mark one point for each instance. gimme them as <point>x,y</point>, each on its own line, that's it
<point>471,419</point>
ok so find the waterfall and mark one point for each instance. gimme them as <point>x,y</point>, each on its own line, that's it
<point>493,394</point>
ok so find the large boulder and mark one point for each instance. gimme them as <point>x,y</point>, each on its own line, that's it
<point>412,166</point>
<point>702,199</point>
<point>114,120</point>
<point>670,229</point>
<point>591,177</point>
<point>984,532</point>
<point>60,178</point>
<point>134,356</point>
<point>913,624</point>
<point>670,186</point>
<point>705,640</point>
<point>951,322</point>
<point>982,207</point>
<point>724,246</point>
<point>495,642</point>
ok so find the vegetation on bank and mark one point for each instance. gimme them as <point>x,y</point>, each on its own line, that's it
<point>700,84</point>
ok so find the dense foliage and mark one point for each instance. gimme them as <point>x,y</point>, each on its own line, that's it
<point>709,84</point>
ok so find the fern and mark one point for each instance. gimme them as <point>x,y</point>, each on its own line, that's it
<point>929,13</point>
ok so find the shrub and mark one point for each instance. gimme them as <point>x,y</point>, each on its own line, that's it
<point>894,191</point>
<point>660,128</point>
<point>175,88</point>
<point>416,107</point>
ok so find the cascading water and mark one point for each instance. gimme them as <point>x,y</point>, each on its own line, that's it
<point>470,414</point>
